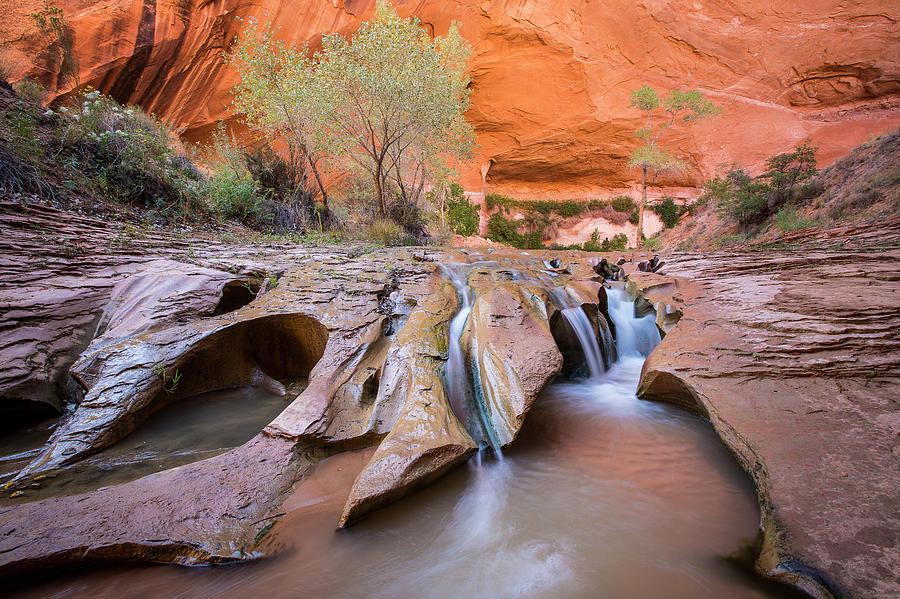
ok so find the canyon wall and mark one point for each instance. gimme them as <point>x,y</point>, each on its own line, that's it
<point>551,79</point>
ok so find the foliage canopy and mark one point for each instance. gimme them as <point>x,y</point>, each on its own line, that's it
<point>464,216</point>
<point>662,114</point>
<point>751,200</point>
<point>389,99</point>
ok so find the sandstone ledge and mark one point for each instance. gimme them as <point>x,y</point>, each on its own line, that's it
<point>794,358</point>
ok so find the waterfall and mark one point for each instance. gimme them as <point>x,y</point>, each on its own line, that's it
<point>584,331</point>
<point>634,336</point>
<point>466,401</point>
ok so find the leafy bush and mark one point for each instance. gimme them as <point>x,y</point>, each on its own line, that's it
<point>235,195</point>
<point>788,220</point>
<point>495,200</point>
<point>503,230</point>
<point>21,119</point>
<point>569,208</point>
<point>635,217</point>
<point>623,204</point>
<point>619,242</point>
<point>463,216</point>
<point>667,212</point>
<point>751,200</point>
<point>131,153</point>
<point>59,39</point>
<point>385,232</point>
<point>593,245</point>
<point>233,191</point>
<point>289,202</point>
<point>565,208</point>
<point>652,244</point>
<point>785,172</point>
<point>597,204</point>
<point>30,90</point>
<point>739,195</point>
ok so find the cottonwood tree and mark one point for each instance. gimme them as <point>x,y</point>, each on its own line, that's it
<point>662,114</point>
<point>389,98</point>
<point>277,93</point>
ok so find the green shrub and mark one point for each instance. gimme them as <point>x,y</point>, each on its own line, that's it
<point>289,196</point>
<point>30,90</point>
<point>235,195</point>
<point>635,217</point>
<point>385,232</point>
<point>739,195</point>
<point>565,209</point>
<point>597,204</point>
<point>23,123</point>
<point>667,212</point>
<point>652,244</point>
<point>788,220</point>
<point>495,200</point>
<point>751,200</point>
<point>593,245</point>
<point>617,243</point>
<point>131,154</point>
<point>503,230</point>
<point>569,208</point>
<point>463,216</point>
<point>623,204</point>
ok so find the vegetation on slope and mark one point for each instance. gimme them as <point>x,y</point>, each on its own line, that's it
<point>344,141</point>
<point>790,196</point>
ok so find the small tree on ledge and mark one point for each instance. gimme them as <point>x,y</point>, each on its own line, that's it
<point>662,114</point>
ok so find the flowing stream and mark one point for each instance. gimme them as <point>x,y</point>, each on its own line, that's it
<point>603,495</point>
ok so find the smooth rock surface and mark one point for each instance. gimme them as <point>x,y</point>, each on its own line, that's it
<point>551,79</point>
<point>795,358</point>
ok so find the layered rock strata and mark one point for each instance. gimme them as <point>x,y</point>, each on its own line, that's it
<point>792,356</point>
<point>369,330</point>
<point>795,359</point>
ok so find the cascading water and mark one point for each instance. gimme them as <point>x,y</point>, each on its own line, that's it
<point>634,336</point>
<point>464,400</point>
<point>583,330</point>
<point>579,322</point>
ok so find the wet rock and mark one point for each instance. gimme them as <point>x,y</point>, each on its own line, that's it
<point>797,370</point>
<point>72,283</point>
<point>427,438</point>
<point>510,374</point>
<point>772,349</point>
<point>206,512</point>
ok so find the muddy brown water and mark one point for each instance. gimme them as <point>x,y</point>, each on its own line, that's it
<point>604,495</point>
<point>189,430</point>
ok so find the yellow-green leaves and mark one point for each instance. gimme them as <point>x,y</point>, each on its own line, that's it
<point>389,98</point>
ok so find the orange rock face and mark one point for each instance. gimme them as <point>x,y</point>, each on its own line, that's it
<point>551,78</point>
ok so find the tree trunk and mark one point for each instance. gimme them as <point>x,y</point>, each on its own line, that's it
<point>315,171</point>
<point>640,226</point>
<point>378,190</point>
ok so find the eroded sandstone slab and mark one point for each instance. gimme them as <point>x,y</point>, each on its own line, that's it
<point>795,359</point>
<point>368,330</point>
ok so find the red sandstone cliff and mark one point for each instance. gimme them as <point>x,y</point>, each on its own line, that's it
<point>551,78</point>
